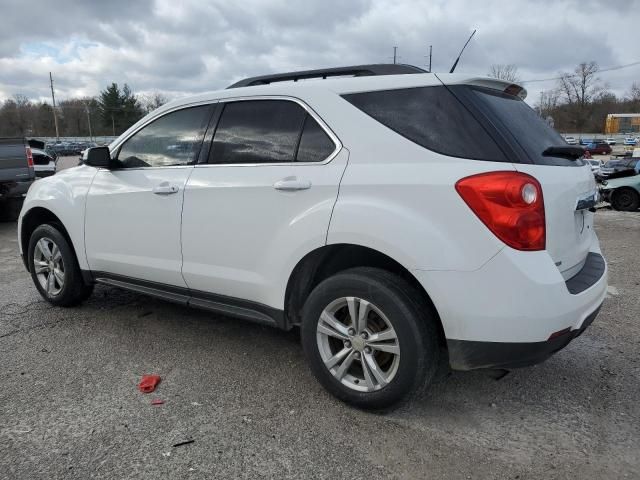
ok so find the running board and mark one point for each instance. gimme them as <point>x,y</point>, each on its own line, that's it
<point>224,305</point>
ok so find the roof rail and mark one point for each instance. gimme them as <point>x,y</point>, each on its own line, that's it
<point>356,71</point>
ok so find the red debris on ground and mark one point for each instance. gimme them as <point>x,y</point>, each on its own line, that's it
<point>157,401</point>
<point>148,383</point>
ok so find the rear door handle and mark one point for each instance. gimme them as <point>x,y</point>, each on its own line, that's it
<point>165,188</point>
<point>291,184</point>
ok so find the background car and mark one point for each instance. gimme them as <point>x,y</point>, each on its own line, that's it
<point>571,140</point>
<point>622,193</point>
<point>610,141</point>
<point>615,168</point>
<point>44,164</point>
<point>630,141</point>
<point>598,148</point>
<point>596,165</point>
<point>586,141</point>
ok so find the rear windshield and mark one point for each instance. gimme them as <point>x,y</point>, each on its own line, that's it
<point>433,118</point>
<point>528,129</point>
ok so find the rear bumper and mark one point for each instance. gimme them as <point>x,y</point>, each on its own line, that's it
<point>507,312</point>
<point>45,173</point>
<point>15,189</point>
<point>470,355</point>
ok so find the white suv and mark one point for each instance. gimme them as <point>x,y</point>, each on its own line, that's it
<point>399,218</point>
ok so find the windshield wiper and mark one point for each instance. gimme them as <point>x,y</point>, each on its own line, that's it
<point>567,151</point>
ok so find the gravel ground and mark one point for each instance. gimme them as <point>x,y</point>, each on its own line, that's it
<point>69,407</point>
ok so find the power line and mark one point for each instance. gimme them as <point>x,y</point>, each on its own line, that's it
<point>609,69</point>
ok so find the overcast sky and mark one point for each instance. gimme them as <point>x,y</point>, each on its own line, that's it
<point>182,46</point>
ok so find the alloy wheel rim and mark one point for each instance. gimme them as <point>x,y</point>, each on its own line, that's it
<point>49,266</point>
<point>358,344</point>
<point>624,199</point>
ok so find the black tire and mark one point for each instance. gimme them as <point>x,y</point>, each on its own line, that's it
<point>74,290</point>
<point>412,318</point>
<point>10,209</point>
<point>625,200</point>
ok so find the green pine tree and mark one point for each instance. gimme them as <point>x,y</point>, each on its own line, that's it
<point>118,109</point>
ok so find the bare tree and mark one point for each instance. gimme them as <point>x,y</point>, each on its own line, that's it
<point>508,73</point>
<point>152,101</point>
<point>633,97</point>
<point>579,89</point>
<point>581,86</point>
<point>548,102</point>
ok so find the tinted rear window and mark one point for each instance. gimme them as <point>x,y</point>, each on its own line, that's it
<point>528,129</point>
<point>433,118</point>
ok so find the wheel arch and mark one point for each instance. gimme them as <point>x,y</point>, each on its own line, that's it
<point>31,220</point>
<point>328,260</point>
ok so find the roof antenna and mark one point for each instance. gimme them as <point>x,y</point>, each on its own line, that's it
<point>455,64</point>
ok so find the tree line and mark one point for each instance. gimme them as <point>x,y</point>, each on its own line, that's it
<point>110,113</point>
<point>580,101</point>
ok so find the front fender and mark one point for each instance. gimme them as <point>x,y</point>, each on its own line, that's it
<point>64,195</point>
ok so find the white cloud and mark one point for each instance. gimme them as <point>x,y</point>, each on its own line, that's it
<point>194,46</point>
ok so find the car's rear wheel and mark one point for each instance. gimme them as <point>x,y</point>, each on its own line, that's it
<point>369,337</point>
<point>54,268</point>
<point>625,200</point>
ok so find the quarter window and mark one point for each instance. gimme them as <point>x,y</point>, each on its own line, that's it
<point>173,139</point>
<point>315,144</point>
<point>433,118</point>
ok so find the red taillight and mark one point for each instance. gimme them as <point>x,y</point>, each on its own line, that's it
<point>29,157</point>
<point>510,204</point>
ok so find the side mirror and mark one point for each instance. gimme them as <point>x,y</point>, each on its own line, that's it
<point>98,157</point>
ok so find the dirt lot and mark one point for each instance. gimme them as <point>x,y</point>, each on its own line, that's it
<point>69,407</point>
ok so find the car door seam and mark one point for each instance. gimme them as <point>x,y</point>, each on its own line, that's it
<point>326,237</point>
<point>184,191</point>
<point>84,219</point>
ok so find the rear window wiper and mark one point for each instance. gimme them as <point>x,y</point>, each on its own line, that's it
<point>567,151</point>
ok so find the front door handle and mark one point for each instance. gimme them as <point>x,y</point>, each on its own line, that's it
<point>165,188</point>
<point>291,184</point>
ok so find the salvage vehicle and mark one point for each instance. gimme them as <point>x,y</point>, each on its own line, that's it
<point>16,175</point>
<point>622,193</point>
<point>399,218</point>
<point>44,164</point>
<point>620,167</point>
<point>596,165</point>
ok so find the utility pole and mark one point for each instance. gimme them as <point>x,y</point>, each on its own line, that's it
<point>113,125</point>
<point>55,117</point>
<point>430,53</point>
<point>395,51</point>
<point>89,120</point>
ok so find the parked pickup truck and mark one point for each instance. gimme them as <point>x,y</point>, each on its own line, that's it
<point>16,175</point>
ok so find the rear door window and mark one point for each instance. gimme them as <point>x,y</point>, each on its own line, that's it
<point>433,118</point>
<point>257,131</point>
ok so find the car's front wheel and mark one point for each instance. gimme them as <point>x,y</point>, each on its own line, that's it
<point>54,268</point>
<point>369,337</point>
